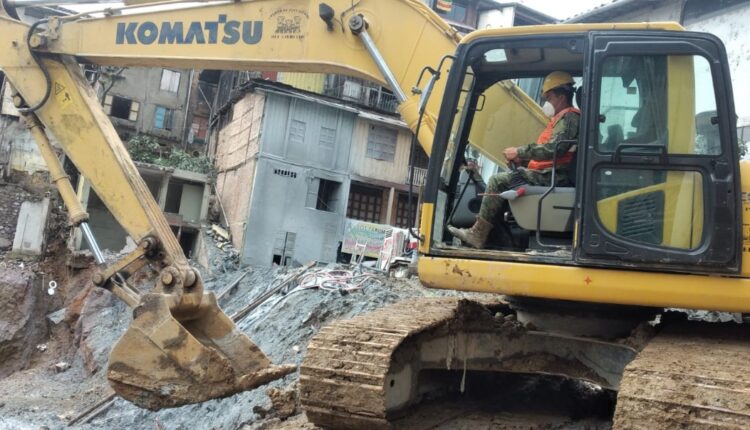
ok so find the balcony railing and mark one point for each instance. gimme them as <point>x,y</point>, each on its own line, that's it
<point>420,176</point>
<point>359,91</point>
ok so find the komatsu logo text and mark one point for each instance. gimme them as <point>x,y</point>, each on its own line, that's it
<point>196,32</point>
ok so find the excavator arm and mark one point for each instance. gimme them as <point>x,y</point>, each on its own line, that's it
<point>181,348</point>
<point>254,35</point>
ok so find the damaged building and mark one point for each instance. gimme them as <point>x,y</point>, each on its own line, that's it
<point>292,166</point>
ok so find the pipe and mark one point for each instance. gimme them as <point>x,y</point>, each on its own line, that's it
<point>27,3</point>
<point>76,214</point>
<point>358,27</point>
<point>98,256</point>
<point>185,127</point>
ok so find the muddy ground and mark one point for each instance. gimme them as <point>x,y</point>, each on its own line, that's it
<point>54,345</point>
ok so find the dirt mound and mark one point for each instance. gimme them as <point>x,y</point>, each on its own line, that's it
<point>22,325</point>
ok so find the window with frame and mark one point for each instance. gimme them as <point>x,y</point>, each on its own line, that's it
<point>421,159</point>
<point>641,102</point>
<point>403,219</point>
<point>660,104</point>
<point>121,107</point>
<point>170,80</point>
<point>457,12</point>
<point>198,130</point>
<point>364,203</point>
<point>163,118</point>
<point>323,195</point>
<point>381,143</point>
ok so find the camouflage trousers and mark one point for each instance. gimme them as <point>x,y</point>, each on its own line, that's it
<point>505,181</point>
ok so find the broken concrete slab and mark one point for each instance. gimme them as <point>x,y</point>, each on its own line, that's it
<point>32,222</point>
<point>222,233</point>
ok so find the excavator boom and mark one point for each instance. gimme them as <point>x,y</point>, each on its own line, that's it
<point>181,348</point>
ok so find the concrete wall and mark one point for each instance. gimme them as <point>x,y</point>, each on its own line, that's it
<point>144,86</point>
<point>279,207</point>
<point>303,142</point>
<point>18,147</point>
<point>181,195</point>
<point>395,171</point>
<point>271,158</point>
<point>307,133</point>
<point>236,160</point>
<point>18,150</point>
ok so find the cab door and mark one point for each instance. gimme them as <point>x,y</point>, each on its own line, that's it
<point>661,170</point>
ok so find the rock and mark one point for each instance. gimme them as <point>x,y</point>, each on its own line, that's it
<point>57,316</point>
<point>284,402</point>
<point>5,243</point>
<point>100,328</point>
<point>42,347</point>
<point>220,232</point>
<point>62,366</point>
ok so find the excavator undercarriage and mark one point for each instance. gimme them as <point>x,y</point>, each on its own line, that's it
<point>368,371</point>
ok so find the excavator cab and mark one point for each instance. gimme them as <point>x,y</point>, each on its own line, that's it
<point>657,156</point>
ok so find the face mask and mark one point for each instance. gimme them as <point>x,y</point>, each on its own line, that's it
<point>548,109</point>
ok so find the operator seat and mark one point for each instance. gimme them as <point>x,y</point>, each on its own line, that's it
<point>557,207</point>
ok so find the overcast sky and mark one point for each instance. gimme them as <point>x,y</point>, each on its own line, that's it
<point>562,9</point>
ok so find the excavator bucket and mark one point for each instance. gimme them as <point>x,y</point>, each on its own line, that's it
<point>161,362</point>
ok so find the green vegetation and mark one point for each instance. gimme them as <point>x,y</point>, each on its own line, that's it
<point>146,149</point>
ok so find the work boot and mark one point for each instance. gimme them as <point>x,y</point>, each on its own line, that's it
<point>476,235</point>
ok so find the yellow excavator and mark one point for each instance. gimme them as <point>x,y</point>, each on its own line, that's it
<point>656,219</point>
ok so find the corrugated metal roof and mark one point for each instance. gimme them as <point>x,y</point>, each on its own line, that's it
<point>609,10</point>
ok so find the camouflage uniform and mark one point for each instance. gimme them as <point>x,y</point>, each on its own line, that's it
<point>565,129</point>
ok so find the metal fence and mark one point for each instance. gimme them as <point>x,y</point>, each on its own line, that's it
<point>420,176</point>
<point>360,91</point>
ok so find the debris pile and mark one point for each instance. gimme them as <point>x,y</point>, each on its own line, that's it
<point>280,308</point>
<point>228,257</point>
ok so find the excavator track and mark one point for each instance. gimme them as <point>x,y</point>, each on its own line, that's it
<point>365,372</point>
<point>344,371</point>
<point>691,375</point>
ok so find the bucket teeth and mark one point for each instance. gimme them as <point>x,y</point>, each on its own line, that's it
<point>160,362</point>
